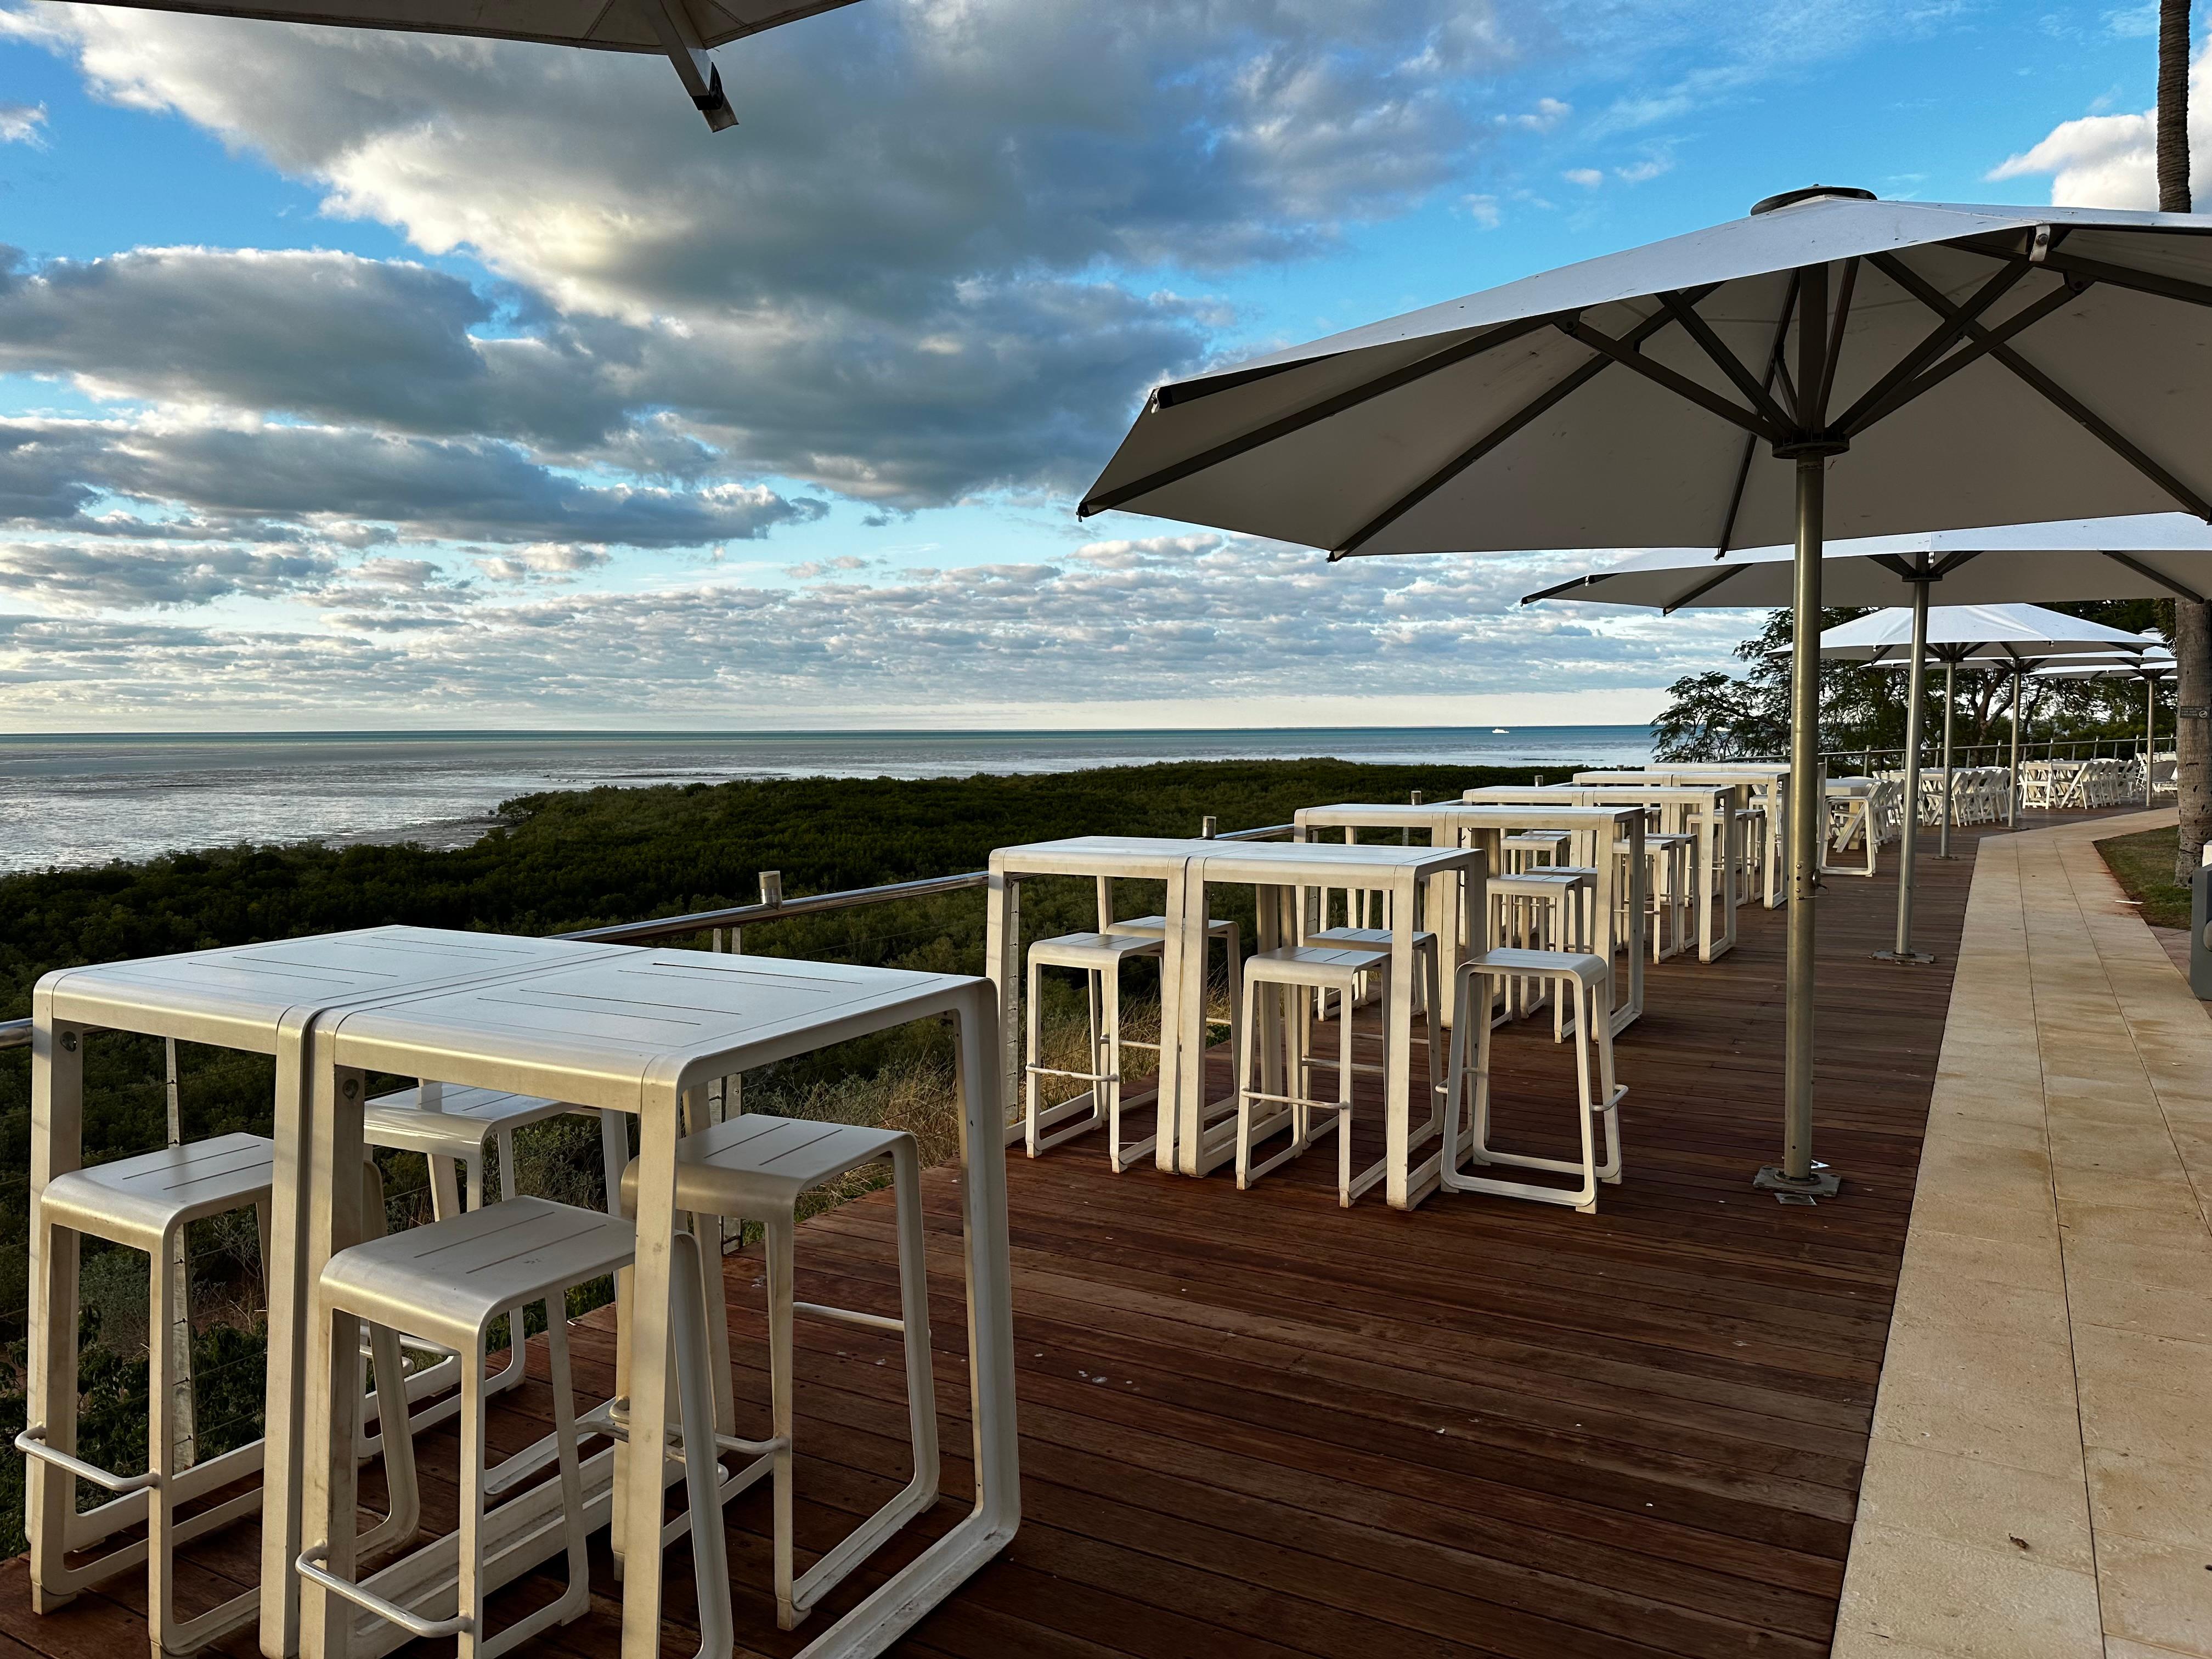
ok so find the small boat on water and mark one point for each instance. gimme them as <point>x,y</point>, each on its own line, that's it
<point>1499,732</point>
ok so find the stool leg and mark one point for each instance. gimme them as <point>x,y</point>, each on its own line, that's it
<point>914,1314</point>
<point>1110,981</point>
<point>1034,1029</point>
<point>577,1598</point>
<point>1435,1002</point>
<point>476,1170</point>
<point>470,1589</point>
<point>445,1189</point>
<point>710,1555</point>
<point>1478,1109</point>
<point>1344,1087</point>
<point>1244,1091</point>
<point>161,1451</point>
<point>1585,1012</point>
<point>614,1155</point>
<point>1609,1172</point>
<point>780,1290</point>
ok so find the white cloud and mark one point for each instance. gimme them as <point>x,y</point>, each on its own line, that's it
<point>1547,114</point>
<point>19,123</point>
<point>1199,617</point>
<point>1642,173</point>
<point>1588,178</point>
<point>2112,161</point>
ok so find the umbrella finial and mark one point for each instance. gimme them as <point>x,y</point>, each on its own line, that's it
<point>1813,193</point>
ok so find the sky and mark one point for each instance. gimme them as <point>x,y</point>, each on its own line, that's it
<point>363,380</point>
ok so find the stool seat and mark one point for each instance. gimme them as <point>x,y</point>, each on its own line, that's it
<point>449,1281</point>
<point>736,1168</point>
<point>1331,965</point>
<point>1377,938</point>
<point>458,1122</point>
<point>1096,950</point>
<point>1158,925</point>
<point>140,1201</point>
<point>1512,960</point>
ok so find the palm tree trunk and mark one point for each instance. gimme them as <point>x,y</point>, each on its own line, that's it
<point>2192,621</point>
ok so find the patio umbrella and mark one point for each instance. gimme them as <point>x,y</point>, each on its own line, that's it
<point>1830,362</point>
<point>2017,638</point>
<point>2155,665</point>
<point>683,30</point>
<point>2146,555</point>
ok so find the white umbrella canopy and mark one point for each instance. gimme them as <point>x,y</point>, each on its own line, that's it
<point>1550,412</point>
<point>2016,635</point>
<point>2147,555</point>
<point>682,29</point>
<point>1832,361</point>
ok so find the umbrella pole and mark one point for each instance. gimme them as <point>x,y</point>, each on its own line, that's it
<point>2150,734</point>
<point>1797,1176</point>
<point>1908,833</point>
<point>2012,795</point>
<point>1950,695</point>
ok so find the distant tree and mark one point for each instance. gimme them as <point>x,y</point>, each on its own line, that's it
<point>1719,716</point>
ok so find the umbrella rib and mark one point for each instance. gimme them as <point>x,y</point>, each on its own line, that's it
<point>1544,401</point>
<point>1298,420</point>
<point>1701,589</point>
<point>2143,281</point>
<point>2149,574</point>
<point>1680,385</point>
<point>1774,367</point>
<point>1939,340</point>
<point>1836,333</point>
<point>1723,359</point>
<point>1975,350</point>
<point>1950,562</point>
<point>2056,394</point>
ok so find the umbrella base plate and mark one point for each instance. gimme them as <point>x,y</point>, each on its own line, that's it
<point>1821,1183</point>
<point>1907,957</point>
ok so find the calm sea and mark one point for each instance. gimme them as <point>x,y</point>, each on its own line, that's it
<point>77,800</point>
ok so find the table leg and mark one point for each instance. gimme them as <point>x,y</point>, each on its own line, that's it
<point>1182,1026</point>
<point>1639,898</point>
<point>640,1476</point>
<point>1731,851</point>
<point>1707,894</point>
<point>291,1201</point>
<point>1398,1040</point>
<point>331,1375</point>
<point>57,1149</point>
<point>1002,966</point>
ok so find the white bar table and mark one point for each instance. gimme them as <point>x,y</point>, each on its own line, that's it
<point>1708,813</point>
<point>1282,870</point>
<point>1105,857</point>
<point>1485,824</point>
<point>1856,796</point>
<point>636,1033</point>
<point>256,999</point>
<point>1770,793</point>
<point>1456,823</point>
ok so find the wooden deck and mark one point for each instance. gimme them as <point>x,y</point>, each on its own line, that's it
<point>1256,1425</point>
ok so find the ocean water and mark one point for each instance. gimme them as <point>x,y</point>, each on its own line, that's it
<point>76,800</point>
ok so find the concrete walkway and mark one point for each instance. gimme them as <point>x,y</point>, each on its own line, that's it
<point>2040,1480</point>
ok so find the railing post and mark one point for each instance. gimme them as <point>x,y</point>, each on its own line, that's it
<point>1205,827</point>
<point>179,1334</point>
<point>771,883</point>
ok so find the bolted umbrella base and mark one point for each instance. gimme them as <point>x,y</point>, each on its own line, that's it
<point>1821,1183</point>
<point>1903,957</point>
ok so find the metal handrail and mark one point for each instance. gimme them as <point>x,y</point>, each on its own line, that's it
<point>16,1033</point>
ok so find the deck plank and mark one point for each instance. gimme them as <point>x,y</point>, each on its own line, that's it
<point>1256,1425</point>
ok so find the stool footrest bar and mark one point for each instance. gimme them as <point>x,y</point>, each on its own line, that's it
<point>310,1567</point>
<point>32,1443</point>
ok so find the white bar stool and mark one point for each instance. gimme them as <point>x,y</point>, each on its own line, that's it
<point>1671,885</point>
<point>143,1203</point>
<point>452,1127</point>
<point>1098,957</point>
<point>1231,939</point>
<point>447,1282</point>
<point>757,1168</point>
<point>1587,981</point>
<point>1296,973</point>
<point>1543,909</point>
<point>1528,849</point>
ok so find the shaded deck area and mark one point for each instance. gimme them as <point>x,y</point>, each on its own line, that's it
<point>1254,1424</point>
